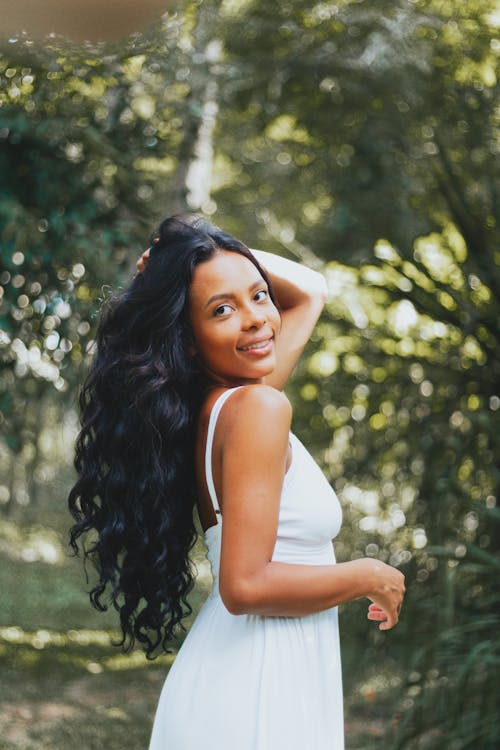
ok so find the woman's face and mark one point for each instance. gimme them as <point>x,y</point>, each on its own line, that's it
<point>233,319</point>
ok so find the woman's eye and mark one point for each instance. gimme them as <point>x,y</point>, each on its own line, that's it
<point>222,310</point>
<point>261,295</point>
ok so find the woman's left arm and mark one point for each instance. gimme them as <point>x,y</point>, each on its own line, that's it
<point>301,294</point>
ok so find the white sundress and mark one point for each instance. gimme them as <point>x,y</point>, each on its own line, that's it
<point>252,682</point>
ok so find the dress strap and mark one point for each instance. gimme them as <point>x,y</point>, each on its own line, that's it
<point>208,450</point>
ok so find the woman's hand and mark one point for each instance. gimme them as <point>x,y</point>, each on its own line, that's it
<point>386,596</point>
<point>141,263</point>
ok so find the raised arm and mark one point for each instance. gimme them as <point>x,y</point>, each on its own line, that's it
<point>301,294</point>
<point>255,430</point>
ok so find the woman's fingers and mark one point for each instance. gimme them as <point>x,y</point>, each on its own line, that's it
<point>387,620</point>
<point>388,623</point>
<point>141,263</point>
<point>376,613</point>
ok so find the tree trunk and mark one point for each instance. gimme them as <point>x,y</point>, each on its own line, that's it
<point>191,186</point>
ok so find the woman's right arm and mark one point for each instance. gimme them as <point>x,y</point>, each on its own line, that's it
<point>301,294</point>
<point>256,429</point>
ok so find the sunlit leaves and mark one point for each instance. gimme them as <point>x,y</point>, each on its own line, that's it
<point>421,431</point>
<point>85,136</point>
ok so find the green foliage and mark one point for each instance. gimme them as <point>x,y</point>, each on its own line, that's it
<point>412,446</point>
<point>453,688</point>
<point>384,118</point>
<point>393,103</point>
<point>92,139</point>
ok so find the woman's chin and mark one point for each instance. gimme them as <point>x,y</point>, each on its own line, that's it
<point>257,373</point>
<point>247,373</point>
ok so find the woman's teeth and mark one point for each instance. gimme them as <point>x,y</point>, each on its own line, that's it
<point>260,345</point>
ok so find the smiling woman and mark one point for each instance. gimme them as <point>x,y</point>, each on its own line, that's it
<point>234,320</point>
<point>183,408</point>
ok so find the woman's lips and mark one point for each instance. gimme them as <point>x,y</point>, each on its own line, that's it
<point>260,347</point>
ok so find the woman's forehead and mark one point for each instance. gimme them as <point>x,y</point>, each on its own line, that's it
<point>225,272</point>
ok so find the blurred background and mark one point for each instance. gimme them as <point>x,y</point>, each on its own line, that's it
<point>359,137</point>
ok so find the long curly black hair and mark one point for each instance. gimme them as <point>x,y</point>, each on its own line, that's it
<point>136,489</point>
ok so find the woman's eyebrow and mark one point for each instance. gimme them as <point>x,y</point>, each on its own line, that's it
<point>231,295</point>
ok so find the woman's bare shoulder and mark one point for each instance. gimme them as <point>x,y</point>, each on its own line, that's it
<point>262,397</point>
<point>255,404</point>
<point>254,434</point>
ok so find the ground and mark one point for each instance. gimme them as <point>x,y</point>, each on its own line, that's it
<point>63,690</point>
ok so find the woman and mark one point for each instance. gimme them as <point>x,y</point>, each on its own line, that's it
<point>183,407</point>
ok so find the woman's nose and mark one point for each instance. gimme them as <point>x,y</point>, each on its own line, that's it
<point>254,317</point>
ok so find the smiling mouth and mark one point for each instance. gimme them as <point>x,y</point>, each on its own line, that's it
<point>257,345</point>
